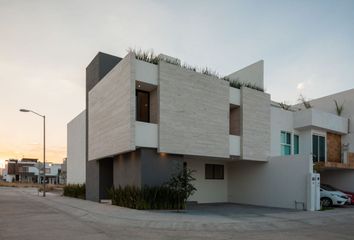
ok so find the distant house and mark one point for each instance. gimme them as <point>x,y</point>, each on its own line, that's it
<point>29,170</point>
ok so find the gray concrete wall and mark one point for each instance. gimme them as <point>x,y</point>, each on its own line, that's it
<point>127,169</point>
<point>255,125</point>
<point>76,149</point>
<point>194,113</point>
<point>253,74</point>
<point>112,112</point>
<point>156,168</point>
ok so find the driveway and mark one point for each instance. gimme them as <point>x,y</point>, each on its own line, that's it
<point>24,215</point>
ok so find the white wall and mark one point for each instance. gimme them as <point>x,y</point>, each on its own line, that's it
<point>208,190</point>
<point>253,74</point>
<point>146,134</point>
<point>342,179</point>
<point>76,149</point>
<point>278,183</point>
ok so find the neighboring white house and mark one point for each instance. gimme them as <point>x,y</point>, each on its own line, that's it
<point>76,154</point>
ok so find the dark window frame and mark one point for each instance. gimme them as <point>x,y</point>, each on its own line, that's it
<point>137,105</point>
<point>213,171</point>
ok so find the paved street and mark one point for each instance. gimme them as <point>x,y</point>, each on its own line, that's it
<point>24,215</point>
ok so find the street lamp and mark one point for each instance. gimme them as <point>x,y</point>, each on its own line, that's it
<point>43,116</point>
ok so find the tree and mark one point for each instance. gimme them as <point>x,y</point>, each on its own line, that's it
<point>181,183</point>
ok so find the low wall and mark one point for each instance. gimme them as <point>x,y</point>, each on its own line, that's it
<point>277,183</point>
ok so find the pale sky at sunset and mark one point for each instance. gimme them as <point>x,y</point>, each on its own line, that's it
<point>307,46</point>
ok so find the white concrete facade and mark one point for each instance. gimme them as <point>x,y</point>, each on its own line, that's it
<point>76,150</point>
<point>203,120</point>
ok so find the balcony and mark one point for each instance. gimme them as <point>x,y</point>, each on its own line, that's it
<point>314,118</point>
<point>234,145</point>
<point>145,134</point>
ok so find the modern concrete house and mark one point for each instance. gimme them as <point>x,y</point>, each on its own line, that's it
<point>143,120</point>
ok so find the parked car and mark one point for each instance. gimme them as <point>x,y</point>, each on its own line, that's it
<point>331,197</point>
<point>349,194</point>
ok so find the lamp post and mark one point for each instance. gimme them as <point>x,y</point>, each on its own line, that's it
<point>43,116</point>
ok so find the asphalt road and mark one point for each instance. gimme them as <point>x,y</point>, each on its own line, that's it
<point>24,215</point>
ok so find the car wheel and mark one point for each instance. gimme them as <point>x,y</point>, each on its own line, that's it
<point>326,202</point>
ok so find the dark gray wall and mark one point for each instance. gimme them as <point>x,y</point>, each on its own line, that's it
<point>95,71</point>
<point>105,176</point>
<point>156,168</point>
<point>92,183</point>
<point>144,167</point>
<point>127,169</point>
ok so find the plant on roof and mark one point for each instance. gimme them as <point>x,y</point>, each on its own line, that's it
<point>238,84</point>
<point>146,56</point>
<point>285,106</point>
<point>151,57</point>
<point>339,107</point>
<point>305,102</point>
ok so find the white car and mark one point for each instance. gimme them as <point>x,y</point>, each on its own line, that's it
<point>332,197</point>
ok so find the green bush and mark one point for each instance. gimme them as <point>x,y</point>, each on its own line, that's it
<point>75,190</point>
<point>160,197</point>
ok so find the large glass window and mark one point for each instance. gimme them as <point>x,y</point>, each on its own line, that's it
<point>142,106</point>
<point>214,171</point>
<point>296,144</point>
<point>285,143</point>
<point>318,148</point>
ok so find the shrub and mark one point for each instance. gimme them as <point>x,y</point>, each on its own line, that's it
<point>159,197</point>
<point>75,190</point>
<point>172,195</point>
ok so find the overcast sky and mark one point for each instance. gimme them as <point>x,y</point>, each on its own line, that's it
<point>307,46</point>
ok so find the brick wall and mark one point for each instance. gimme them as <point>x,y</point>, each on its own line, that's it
<point>350,157</point>
<point>333,147</point>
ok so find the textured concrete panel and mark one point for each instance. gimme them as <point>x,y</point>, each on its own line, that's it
<point>76,149</point>
<point>194,113</point>
<point>112,112</point>
<point>255,125</point>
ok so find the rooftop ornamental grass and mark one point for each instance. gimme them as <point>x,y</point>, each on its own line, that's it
<point>151,57</point>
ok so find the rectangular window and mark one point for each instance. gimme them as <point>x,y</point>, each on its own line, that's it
<point>142,106</point>
<point>285,143</point>
<point>296,144</point>
<point>318,148</point>
<point>214,171</point>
